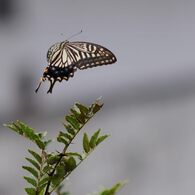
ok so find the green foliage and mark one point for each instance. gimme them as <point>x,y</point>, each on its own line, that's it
<point>90,144</point>
<point>101,139</point>
<point>31,170</point>
<point>86,146</point>
<point>93,140</point>
<point>31,181</point>
<point>47,170</point>
<point>78,117</point>
<point>26,131</point>
<point>113,190</point>
<point>70,164</point>
<point>30,191</point>
<point>38,178</point>
<point>35,155</point>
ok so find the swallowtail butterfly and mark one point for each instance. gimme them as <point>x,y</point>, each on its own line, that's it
<point>66,57</point>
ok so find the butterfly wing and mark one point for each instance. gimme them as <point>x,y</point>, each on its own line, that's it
<point>87,55</point>
<point>59,56</point>
<point>79,54</point>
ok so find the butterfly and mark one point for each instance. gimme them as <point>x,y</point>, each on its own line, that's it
<point>64,58</point>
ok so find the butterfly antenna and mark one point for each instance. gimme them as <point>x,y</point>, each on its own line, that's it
<point>74,35</point>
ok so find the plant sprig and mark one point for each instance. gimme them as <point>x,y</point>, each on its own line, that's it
<point>48,170</point>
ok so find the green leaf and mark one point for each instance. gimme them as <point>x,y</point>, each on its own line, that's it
<point>42,186</point>
<point>86,146</point>
<point>56,180</point>
<point>74,112</point>
<point>44,180</point>
<point>69,129</point>
<point>61,134</point>
<point>113,190</point>
<point>93,139</point>
<point>13,126</point>
<point>34,163</point>
<point>65,135</point>
<point>96,106</point>
<point>101,139</point>
<point>70,164</point>
<point>30,191</point>
<point>31,181</point>
<point>62,140</point>
<point>36,156</point>
<point>41,192</point>
<point>47,169</point>
<point>53,159</point>
<point>47,142</point>
<point>83,109</point>
<point>75,154</point>
<point>73,122</point>
<point>40,144</point>
<point>31,170</point>
<point>24,130</point>
<point>79,116</point>
<point>68,136</point>
<point>60,170</point>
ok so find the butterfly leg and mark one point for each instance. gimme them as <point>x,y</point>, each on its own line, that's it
<point>52,83</point>
<point>42,79</point>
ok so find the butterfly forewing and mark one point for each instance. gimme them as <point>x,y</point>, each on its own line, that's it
<point>52,52</point>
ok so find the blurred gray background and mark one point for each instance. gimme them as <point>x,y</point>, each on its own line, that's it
<point>149,94</point>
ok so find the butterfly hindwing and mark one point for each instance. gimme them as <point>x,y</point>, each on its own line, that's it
<point>89,55</point>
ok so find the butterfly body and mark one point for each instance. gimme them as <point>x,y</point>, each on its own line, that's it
<point>66,57</point>
<point>58,73</point>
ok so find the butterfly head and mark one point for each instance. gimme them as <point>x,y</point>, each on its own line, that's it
<point>45,73</point>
